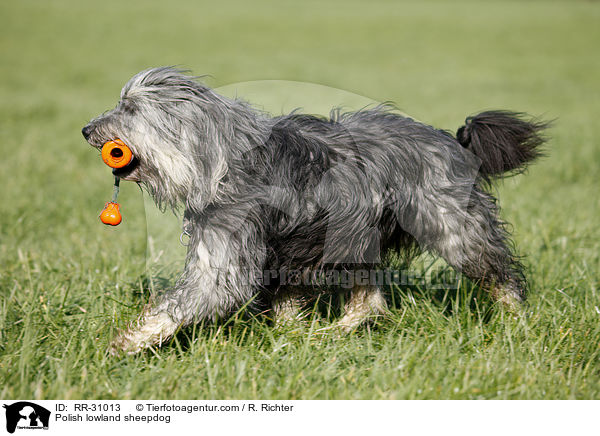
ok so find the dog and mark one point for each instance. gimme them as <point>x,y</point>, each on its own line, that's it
<point>304,193</point>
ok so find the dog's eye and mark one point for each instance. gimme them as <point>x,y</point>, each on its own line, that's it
<point>128,107</point>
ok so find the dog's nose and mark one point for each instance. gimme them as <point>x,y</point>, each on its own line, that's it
<point>87,131</point>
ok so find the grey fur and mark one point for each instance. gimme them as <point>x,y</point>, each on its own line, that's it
<point>298,192</point>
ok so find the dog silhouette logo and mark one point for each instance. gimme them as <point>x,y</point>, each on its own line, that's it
<point>26,415</point>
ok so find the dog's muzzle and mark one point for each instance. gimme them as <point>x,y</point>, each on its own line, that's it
<point>87,131</point>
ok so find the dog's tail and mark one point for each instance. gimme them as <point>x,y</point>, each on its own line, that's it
<point>504,141</point>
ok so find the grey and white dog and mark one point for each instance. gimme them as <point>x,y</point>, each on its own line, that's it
<point>305,193</point>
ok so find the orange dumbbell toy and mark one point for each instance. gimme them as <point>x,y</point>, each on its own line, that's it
<point>116,154</point>
<point>110,215</point>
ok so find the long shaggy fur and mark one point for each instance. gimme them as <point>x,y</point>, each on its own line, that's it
<point>302,193</point>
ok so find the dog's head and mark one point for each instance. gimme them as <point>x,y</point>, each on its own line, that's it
<point>178,130</point>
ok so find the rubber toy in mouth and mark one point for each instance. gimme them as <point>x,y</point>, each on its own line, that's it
<point>116,154</point>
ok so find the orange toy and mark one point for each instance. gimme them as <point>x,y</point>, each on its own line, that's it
<point>110,215</point>
<point>116,154</point>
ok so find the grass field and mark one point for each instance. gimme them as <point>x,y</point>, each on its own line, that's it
<point>66,282</point>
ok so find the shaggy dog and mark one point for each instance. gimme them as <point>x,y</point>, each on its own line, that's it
<point>304,193</point>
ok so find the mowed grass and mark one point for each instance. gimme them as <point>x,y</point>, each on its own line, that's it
<point>67,282</point>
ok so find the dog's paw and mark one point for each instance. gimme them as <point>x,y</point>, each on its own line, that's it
<point>150,330</point>
<point>127,342</point>
<point>510,300</point>
<point>121,345</point>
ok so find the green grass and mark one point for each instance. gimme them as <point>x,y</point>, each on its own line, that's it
<point>66,282</point>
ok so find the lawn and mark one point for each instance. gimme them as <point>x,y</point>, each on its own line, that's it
<point>67,282</point>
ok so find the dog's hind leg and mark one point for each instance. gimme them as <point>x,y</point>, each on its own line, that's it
<point>365,302</point>
<point>476,243</point>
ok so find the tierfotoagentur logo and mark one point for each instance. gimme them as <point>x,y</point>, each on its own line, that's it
<point>24,415</point>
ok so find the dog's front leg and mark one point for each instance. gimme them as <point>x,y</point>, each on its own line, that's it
<point>212,285</point>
